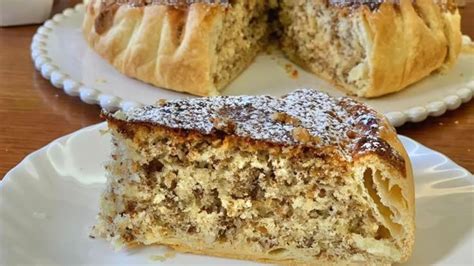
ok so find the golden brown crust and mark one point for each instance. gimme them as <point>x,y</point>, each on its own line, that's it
<point>165,46</point>
<point>452,29</point>
<point>408,42</point>
<point>389,134</point>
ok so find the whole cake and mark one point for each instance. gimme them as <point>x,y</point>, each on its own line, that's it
<point>367,47</point>
<point>302,179</point>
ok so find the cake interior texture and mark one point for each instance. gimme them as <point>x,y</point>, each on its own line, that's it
<point>244,33</point>
<point>382,46</point>
<point>326,42</point>
<point>312,33</point>
<point>231,195</point>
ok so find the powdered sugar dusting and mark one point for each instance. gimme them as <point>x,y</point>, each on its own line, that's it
<point>333,122</point>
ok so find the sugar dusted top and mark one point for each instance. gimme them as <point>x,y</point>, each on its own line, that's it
<point>139,3</point>
<point>303,117</point>
<point>374,5</point>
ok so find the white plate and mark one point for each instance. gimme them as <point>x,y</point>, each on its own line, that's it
<point>49,202</point>
<point>61,54</point>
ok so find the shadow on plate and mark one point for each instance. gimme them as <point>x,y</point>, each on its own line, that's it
<point>444,224</point>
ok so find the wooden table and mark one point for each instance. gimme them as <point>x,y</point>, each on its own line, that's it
<point>33,113</point>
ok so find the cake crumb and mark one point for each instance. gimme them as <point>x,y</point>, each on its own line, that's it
<point>161,102</point>
<point>157,258</point>
<point>223,124</point>
<point>168,255</point>
<point>271,50</point>
<point>103,132</point>
<point>456,122</point>
<point>286,119</point>
<point>441,123</point>
<point>101,81</point>
<point>291,71</point>
<point>301,134</point>
<point>294,74</point>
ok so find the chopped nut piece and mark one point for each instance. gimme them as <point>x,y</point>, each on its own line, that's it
<point>225,125</point>
<point>351,134</point>
<point>294,74</point>
<point>302,135</point>
<point>286,119</point>
<point>161,102</point>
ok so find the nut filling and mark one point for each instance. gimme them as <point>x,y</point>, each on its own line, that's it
<point>301,179</point>
<point>223,191</point>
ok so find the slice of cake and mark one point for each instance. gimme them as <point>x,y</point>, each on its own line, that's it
<point>195,48</point>
<point>301,179</point>
<point>371,47</point>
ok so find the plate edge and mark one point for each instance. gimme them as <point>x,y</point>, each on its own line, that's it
<point>6,177</point>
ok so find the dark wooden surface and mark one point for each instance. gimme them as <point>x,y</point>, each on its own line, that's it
<point>33,113</point>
